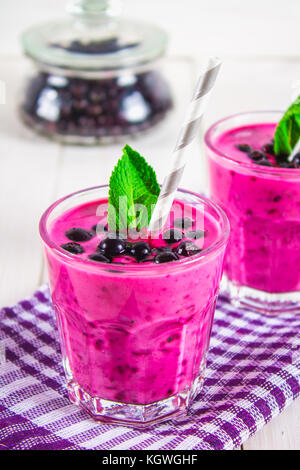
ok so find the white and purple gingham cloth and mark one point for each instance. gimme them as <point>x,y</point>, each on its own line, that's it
<point>253,373</point>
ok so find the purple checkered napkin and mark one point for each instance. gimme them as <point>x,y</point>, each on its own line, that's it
<point>253,373</point>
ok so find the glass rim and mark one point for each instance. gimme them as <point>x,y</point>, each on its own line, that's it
<point>260,169</point>
<point>134,268</point>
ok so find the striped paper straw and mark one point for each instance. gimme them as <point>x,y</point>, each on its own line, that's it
<point>187,134</point>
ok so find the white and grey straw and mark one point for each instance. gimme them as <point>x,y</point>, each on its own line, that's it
<point>187,134</point>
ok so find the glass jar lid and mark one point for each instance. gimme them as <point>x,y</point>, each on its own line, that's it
<point>94,37</point>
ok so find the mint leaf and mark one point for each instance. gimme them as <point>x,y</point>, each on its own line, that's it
<point>133,190</point>
<point>287,132</point>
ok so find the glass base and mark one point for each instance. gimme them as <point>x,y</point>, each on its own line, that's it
<point>260,301</point>
<point>138,416</point>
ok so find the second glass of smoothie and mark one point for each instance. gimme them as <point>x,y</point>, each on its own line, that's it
<point>261,197</point>
<point>134,328</point>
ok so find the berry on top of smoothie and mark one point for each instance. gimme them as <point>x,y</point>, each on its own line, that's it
<point>165,257</point>
<point>187,248</point>
<point>79,234</point>
<point>74,248</point>
<point>99,258</point>
<point>111,247</point>
<point>140,250</point>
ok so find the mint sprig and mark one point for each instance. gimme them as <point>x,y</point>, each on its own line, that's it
<point>133,191</point>
<point>287,132</point>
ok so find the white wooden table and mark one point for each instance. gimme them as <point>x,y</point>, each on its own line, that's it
<point>34,172</point>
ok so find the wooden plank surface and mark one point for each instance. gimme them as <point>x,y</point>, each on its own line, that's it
<point>34,172</point>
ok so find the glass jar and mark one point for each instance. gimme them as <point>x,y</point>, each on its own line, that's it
<point>97,77</point>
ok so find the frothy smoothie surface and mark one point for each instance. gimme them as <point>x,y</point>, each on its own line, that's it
<point>83,232</point>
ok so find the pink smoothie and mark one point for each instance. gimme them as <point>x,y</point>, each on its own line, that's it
<point>263,207</point>
<point>134,332</point>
